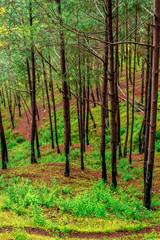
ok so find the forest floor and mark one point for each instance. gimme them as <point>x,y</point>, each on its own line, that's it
<point>38,202</point>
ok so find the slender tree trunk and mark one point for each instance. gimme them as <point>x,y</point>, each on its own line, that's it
<point>25,112</point>
<point>48,101</point>
<point>146,99</point>
<point>133,94</point>
<point>154,97</point>
<point>10,106</point>
<point>97,91</point>
<point>142,77</point>
<point>78,117</point>
<point>130,64</point>
<point>122,56</point>
<point>3,97</point>
<point>87,115</point>
<point>37,144</point>
<point>92,118</point>
<point>93,98</point>
<point>19,104</point>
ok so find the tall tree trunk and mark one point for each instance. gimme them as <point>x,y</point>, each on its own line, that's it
<point>104,100</point>
<point>147,106</point>
<point>154,97</point>
<point>33,130</point>
<point>112,97</point>
<point>127,127</point>
<point>80,106</point>
<point>66,110</point>
<point>84,104</point>
<point>116,88</point>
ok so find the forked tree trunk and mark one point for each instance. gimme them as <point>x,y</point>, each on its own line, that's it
<point>154,98</point>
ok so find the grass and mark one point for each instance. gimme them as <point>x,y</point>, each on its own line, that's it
<point>30,204</point>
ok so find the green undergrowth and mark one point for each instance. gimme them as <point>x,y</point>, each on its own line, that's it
<point>37,204</point>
